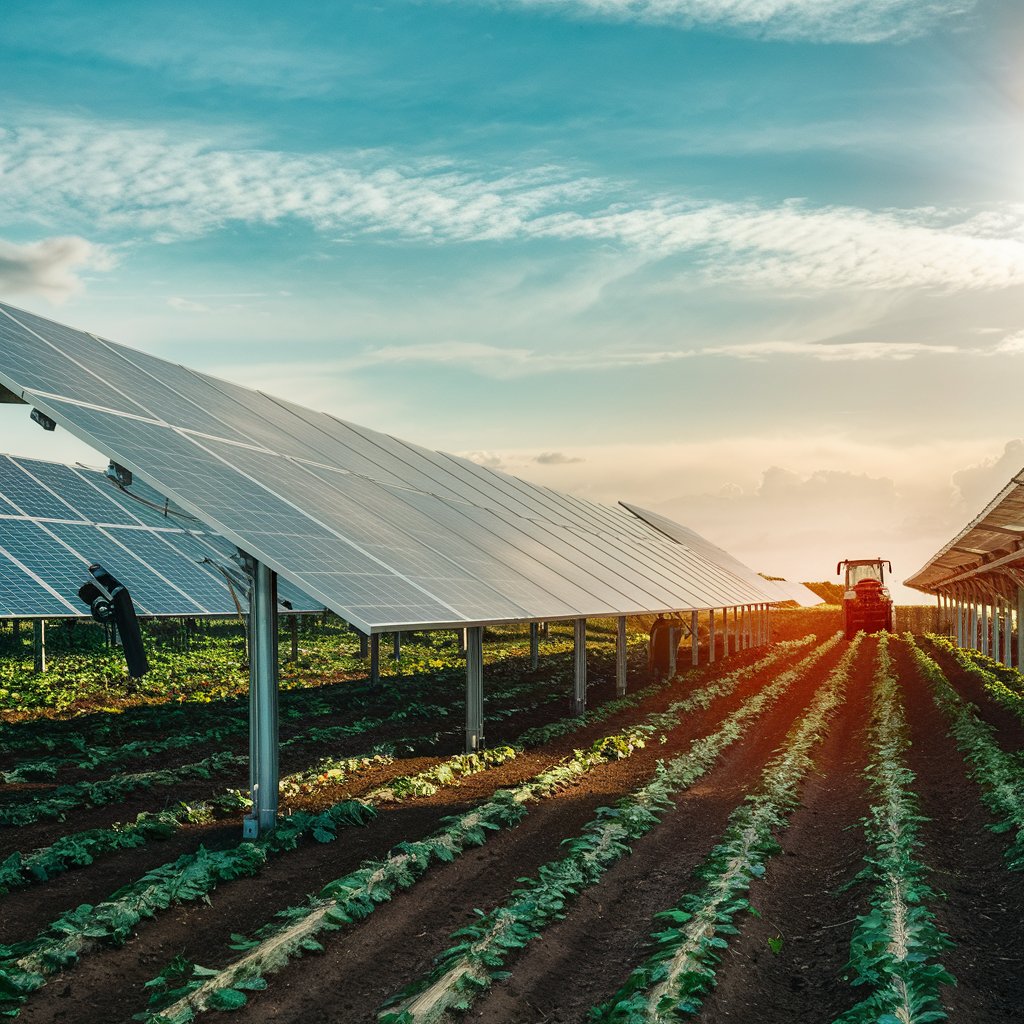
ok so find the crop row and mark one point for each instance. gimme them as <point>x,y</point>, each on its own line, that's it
<point>672,982</point>
<point>183,990</point>
<point>896,945</point>
<point>81,848</point>
<point>999,774</point>
<point>1002,684</point>
<point>24,968</point>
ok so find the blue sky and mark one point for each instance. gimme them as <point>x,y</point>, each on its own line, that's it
<point>756,263</point>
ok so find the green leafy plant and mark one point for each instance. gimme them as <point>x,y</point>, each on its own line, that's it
<point>184,990</point>
<point>672,982</point>
<point>999,774</point>
<point>896,945</point>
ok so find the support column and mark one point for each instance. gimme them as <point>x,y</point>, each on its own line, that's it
<point>959,621</point>
<point>725,632</point>
<point>673,650</point>
<point>694,640</point>
<point>984,648</point>
<point>263,721</point>
<point>736,629</point>
<point>396,641</point>
<point>534,646</point>
<point>767,623</point>
<point>39,644</point>
<point>364,644</point>
<point>1020,628</point>
<point>375,658</point>
<point>972,626</point>
<point>579,680</point>
<point>621,664</point>
<point>711,634</point>
<point>461,635</point>
<point>474,689</point>
<point>996,615</point>
<point>545,631</point>
<point>1007,658</point>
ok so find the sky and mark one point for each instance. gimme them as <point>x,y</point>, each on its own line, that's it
<point>755,264</point>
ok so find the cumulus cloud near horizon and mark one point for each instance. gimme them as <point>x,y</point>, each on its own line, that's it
<point>50,267</point>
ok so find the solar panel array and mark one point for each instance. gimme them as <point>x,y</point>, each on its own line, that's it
<point>796,592</point>
<point>387,534</point>
<point>55,520</point>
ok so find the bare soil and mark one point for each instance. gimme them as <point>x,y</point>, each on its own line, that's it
<point>804,903</point>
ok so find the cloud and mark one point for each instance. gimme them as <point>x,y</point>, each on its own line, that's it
<point>555,459</point>
<point>509,363</point>
<point>487,459</point>
<point>140,181</point>
<point>979,483</point>
<point>847,21</point>
<point>50,267</point>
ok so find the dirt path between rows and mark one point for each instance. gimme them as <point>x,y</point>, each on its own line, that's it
<point>982,909</point>
<point>799,899</point>
<point>582,959</point>
<point>201,932</point>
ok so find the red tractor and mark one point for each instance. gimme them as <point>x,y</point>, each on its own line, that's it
<point>866,601</point>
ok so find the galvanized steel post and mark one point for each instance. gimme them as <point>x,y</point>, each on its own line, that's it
<point>673,650</point>
<point>694,639</point>
<point>396,649</point>
<point>579,650</point>
<point>474,689</point>
<point>263,719</point>
<point>39,644</point>
<point>1007,633</point>
<point>996,616</point>
<point>375,658</point>
<point>621,664</point>
<point>1020,628</point>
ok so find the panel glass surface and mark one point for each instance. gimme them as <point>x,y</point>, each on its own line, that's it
<point>30,497</point>
<point>21,596</point>
<point>375,527</point>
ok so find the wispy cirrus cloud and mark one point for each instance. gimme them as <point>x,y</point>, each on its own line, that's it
<point>137,182</point>
<point>49,267</point>
<point>508,363</point>
<point>823,21</point>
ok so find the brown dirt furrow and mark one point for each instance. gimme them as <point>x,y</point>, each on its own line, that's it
<point>982,908</point>
<point>582,960</point>
<point>392,948</point>
<point>799,899</point>
<point>1010,726</point>
<point>45,832</point>
<point>201,932</point>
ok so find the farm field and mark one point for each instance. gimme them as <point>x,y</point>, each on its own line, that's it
<point>811,830</point>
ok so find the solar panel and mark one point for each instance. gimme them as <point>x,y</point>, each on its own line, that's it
<point>386,533</point>
<point>55,520</point>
